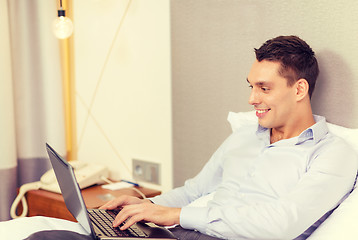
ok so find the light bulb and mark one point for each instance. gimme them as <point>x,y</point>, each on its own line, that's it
<point>62,26</point>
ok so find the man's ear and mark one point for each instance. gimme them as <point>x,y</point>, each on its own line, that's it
<point>302,87</point>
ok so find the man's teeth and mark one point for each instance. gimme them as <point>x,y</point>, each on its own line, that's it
<point>262,111</point>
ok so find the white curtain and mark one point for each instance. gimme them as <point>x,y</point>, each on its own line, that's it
<point>32,108</point>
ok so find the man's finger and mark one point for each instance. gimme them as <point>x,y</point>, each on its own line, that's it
<point>112,204</point>
<point>130,221</point>
<point>120,201</point>
<point>129,214</point>
<point>122,216</point>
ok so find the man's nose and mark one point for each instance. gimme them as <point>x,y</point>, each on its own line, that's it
<point>254,98</point>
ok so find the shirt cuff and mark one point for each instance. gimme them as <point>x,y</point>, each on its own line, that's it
<point>193,218</point>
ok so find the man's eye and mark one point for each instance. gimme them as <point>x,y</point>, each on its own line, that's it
<point>250,86</point>
<point>265,89</point>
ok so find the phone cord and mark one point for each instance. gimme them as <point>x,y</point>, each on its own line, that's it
<point>21,196</point>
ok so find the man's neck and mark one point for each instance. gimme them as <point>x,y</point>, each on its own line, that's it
<point>293,129</point>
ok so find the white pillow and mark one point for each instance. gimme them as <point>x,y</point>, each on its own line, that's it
<point>240,119</point>
<point>348,134</point>
<point>342,224</point>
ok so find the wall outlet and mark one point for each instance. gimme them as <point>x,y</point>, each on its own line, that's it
<point>146,171</point>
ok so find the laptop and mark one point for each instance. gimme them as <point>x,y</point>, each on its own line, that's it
<point>97,222</point>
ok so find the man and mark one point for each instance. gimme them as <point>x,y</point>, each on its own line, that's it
<point>276,180</point>
<point>271,181</point>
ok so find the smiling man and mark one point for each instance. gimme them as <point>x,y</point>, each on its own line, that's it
<point>277,180</point>
<point>283,108</point>
<point>282,80</point>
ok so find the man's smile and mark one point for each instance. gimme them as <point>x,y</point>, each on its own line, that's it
<point>262,112</point>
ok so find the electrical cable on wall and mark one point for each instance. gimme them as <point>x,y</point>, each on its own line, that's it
<point>89,108</point>
<point>106,137</point>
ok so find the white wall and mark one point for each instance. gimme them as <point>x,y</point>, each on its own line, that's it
<point>125,79</point>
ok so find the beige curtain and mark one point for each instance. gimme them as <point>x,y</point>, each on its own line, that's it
<point>32,109</point>
<point>7,125</point>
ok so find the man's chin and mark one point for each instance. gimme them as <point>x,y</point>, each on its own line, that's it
<point>264,124</point>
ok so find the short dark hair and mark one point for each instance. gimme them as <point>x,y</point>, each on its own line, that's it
<point>296,57</point>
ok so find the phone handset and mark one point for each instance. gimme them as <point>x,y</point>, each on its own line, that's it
<point>87,174</point>
<point>49,177</point>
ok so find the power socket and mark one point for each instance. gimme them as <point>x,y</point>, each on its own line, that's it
<point>146,171</point>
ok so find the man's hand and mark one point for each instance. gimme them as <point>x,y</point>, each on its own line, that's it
<point>122,201</point>
<point>135,210</point>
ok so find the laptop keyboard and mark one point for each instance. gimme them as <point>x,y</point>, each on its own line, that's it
<point>104,218</point>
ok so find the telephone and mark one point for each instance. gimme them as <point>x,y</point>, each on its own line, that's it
<point>87,174</point>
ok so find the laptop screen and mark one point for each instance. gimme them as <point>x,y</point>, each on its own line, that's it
<point>70,189</point>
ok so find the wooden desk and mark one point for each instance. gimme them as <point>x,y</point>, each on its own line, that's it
<point>44,203</point>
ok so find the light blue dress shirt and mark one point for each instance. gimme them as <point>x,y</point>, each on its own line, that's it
<point>267,191</point>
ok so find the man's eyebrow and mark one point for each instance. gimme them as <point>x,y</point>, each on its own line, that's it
<point>260,83</point>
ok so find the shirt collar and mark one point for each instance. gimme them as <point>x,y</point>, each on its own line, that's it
<point>319,130</point>
<point>316,132</point>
